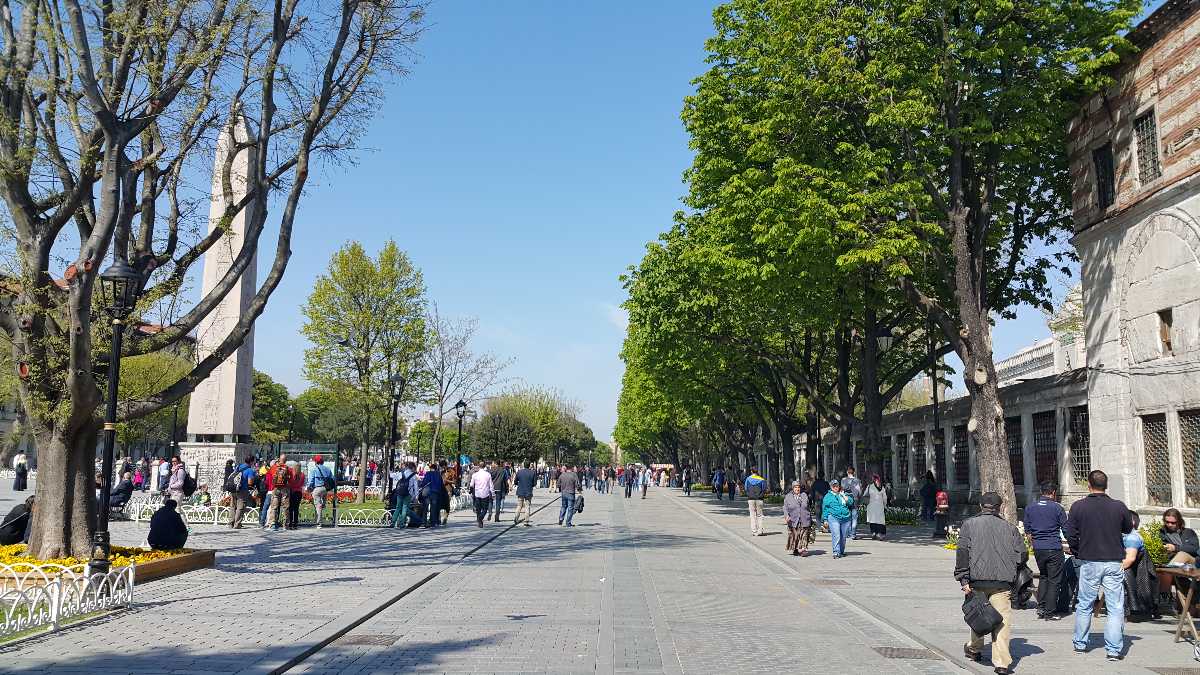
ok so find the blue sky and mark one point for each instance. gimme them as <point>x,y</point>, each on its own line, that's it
<point>534,150</point>
<point>524,163</point>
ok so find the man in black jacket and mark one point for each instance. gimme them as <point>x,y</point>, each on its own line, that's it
<point>990,550</point>
<point>16,524</point>
<point>524,481</point>
<point>1094,529</point>
<point>167,530</point>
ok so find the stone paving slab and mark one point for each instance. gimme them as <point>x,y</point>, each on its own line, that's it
<point>908,582</point>
<point>271,596</point>
<point>641,586</point>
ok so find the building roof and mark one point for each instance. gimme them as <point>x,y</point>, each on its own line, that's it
<point>1161,21</point>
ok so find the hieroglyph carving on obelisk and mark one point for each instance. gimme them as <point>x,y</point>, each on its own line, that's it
<point>220,405</point>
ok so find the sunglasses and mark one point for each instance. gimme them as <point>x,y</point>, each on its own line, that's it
<point>1170,522</point>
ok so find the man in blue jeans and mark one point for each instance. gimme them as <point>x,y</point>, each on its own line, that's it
<point>1094,529</point>
<point>568,485</point>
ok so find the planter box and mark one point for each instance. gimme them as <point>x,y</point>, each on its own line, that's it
<point>158,569</point>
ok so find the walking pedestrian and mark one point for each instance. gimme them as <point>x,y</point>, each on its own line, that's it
<point>941,511</point>
<point>756,490</point>
<point>20,466</point>
<point>482,489</point>
<point>877,498</point>
<point>798,518</point>
<point>644,480</point>
<point>431,493</point>
<point>731,483</point>
<point>500,478</point>
<point>403,490</point>
<point>687,480</point>
<point>928,496</point>
<point>1095,526</point>
<point>568,485</point>
<point>1044,522</point>
<point>852,486</point>
<point>175,479</point>
<point>836,507</point>
<point>240,477</point>
<point>719,482</point>
<point>295,494</point>
<point>524,483</point>
<point>990,551</point>
<point>278,482</point>
<point>319,484</point>
<point>820,488</point>
<point>630,476</point>
<point>262,490</point>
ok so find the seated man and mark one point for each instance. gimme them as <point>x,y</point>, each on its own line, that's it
<point>1178,540</point>
<point>15,528</point>
<point>167,531</point>
<point>121,494</point>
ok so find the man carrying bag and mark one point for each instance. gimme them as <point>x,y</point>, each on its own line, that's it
<point>990,551</point>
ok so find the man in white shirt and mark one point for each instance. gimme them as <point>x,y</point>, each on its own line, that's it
<point>481,490</point>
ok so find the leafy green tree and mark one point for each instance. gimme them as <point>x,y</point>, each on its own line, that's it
<point>141,377</point>
<point>366,321</point>
<point>926,140</point>
<point>271,410</point>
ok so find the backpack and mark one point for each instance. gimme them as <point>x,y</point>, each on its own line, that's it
<point>579,504</point>
<point>326,479</point>
<point>189,485</point>
<point>401,488</point>
<point>282,476</point>
<point>233,482</point>
<point>942,500</point>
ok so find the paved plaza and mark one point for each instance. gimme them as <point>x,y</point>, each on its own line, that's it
<point>669,584</point>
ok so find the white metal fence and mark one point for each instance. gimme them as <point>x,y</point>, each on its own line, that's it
<point>47,596</point>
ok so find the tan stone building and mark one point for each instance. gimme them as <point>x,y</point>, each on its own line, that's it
<point>1135,168</point>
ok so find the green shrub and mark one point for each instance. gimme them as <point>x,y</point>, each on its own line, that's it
<point>774,499</point>
<point>1152,535</point>
<point>701,487</point>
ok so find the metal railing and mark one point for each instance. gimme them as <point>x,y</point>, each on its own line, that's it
<point>37,598</point>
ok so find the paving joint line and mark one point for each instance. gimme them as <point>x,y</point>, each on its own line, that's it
<point>791,571</point>
<point>357,621</point>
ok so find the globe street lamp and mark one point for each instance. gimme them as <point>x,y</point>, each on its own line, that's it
<point>461,409</point>
<point>120,286</point>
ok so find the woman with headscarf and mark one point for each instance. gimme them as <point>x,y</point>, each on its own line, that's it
<point>877,497</point>
<point>21,472</point>
<point>798,518</point>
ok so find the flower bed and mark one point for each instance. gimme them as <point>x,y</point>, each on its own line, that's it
<point>121,556</point>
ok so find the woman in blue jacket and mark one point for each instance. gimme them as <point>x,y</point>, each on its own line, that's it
<point>836,507</point>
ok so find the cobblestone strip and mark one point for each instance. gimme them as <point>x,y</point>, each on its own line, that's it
<point>641,616</point>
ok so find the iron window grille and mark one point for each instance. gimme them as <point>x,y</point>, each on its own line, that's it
<point>1146,132</point>
<point>1081,443</point>
<point>1016,454</point>
<point>1102,158</point>
<point>1158,459</point>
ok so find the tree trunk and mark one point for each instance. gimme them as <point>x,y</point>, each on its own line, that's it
<point>787,448</point>
<point>64,512</point>
<point>991,445</point>
<point>872,401</point>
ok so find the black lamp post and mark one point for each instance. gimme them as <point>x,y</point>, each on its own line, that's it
<point>397,391</point>
<point>461,409</point>
<point>120,286</point>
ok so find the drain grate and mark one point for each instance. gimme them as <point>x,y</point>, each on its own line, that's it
<point>370,639</point>
<point>1176,671</point>
<point>830,582</point>
<point>906,653</point>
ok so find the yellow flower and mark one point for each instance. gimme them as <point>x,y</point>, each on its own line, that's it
<point>119,556</point>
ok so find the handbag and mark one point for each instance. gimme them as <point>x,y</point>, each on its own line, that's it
<point>980,615</point>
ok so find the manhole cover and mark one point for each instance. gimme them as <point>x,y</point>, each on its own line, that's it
<point>905,653</point>
<point>1176,671</point>
<point>373,639</point>
<point>829,582</point>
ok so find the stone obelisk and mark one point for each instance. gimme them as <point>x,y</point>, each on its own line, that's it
<point>219,413</point>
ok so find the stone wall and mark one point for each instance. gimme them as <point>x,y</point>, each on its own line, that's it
<point>1140,269</point>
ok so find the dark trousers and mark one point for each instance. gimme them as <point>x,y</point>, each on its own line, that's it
<point>1050,566</point>
<point>481,508</point>
<point>687,487</point>
<point>628,489</point>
